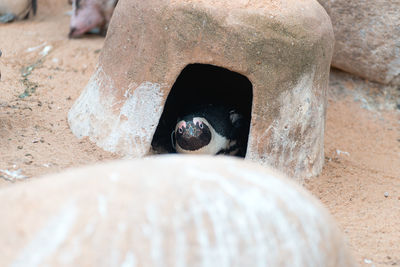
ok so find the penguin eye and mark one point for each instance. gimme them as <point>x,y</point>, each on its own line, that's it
<point>180,130</point>
<point>201,125</point>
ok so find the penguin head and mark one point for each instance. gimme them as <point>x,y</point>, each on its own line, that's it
<point>192,135</point>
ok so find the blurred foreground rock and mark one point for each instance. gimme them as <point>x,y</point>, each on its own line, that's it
<point>167,211</point>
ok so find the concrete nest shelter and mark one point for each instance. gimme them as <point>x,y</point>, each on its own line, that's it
<point>269,59</point>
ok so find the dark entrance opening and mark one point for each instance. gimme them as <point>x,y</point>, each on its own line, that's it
<point>200,84</point>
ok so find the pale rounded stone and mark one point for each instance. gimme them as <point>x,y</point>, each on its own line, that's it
<point>283,48</point>
<point>367,37</point>
<point>167,211</point>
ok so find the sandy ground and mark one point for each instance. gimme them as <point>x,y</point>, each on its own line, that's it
<point>360,182</point>
<point>43,72</point>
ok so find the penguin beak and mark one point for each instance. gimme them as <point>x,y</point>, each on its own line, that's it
<point>190,136</point>
<point>71,32</point>
<point>191,129</point>
<point>187,129</point>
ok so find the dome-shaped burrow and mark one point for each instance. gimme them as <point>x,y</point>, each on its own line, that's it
<point>270,59</point>
<point>200,84</point>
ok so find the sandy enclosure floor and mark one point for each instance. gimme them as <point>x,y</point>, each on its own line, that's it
<point>43,72</point>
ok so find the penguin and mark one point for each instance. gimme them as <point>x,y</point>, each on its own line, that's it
<point>210,129</point>
<point>11,10</point>
<point>90,16</point>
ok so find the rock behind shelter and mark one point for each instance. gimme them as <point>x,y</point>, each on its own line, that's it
<point>367,34</point>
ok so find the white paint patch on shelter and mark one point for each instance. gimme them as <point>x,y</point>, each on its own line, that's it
<point>130,131</point>
<point>300,111</point>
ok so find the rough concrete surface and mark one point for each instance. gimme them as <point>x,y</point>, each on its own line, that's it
<point>283,48</point>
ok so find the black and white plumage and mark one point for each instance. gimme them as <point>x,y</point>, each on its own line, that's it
<point>210,129</point>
